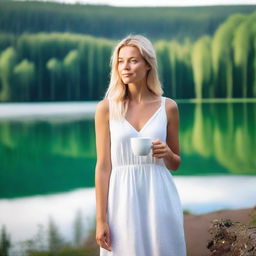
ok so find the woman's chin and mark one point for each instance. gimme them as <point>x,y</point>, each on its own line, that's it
<point>127,81</point>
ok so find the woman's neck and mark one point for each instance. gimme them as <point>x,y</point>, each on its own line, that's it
<point>138,93</point>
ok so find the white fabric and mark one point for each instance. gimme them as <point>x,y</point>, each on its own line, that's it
<point>144,210</point>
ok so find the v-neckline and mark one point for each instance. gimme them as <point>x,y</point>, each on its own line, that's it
<point>148,121</point>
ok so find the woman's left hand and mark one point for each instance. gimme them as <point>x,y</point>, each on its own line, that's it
<point>160,149</point>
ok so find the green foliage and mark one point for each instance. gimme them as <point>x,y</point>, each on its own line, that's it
<point>67,252</point>
<point>222,55</point>
<point>186,212</point>
<point>55,241</point>
<point>38,242</point>
<point>55,69</point>
<point>78,229</point>
<point>65,66</point>
<point>7,62</point>
<point>244,53</point>
<point>23,78</point>
<point>201,65</point>
<point>7,40</point>
<point>162,50</point>
<point>52,243</point>
<point>72,74</point>
<point>114,22</point>
<point>5,242</point>
<point>253,217</point>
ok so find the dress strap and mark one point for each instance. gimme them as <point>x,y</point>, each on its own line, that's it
<point>163,101</point>
<point>163,107</point>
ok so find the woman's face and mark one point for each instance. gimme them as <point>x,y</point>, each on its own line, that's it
<point>132,68</point>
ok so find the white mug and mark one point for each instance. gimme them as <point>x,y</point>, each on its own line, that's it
<point>141,145</point>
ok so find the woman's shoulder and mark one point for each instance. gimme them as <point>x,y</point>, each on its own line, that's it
<point>171,107</point>
<point>170,103</point>
<point>103,105</point>
<point>102,108</point>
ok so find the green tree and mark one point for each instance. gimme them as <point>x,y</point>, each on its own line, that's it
<point>162,49</point>
<point>5,242</point>
<point>244,39</point>
<point>201,63</point>
<point>7,63</point>
<point>222,56</point>
<point>54,67</point>
<point>78,229</point>
<point>24,75</point>
<point>71,64</point>
<point>55,241</point>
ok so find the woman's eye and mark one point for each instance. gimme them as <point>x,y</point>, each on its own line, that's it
<point>133,61</point>
<point>120,61</point>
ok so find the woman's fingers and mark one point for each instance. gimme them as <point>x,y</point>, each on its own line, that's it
<point>156,150</point>
<point>156,142</point>
<point>159,149</point>
<point>103,236</point>
<point>107,241</point>
<point>158,146</point>
<point>159,155</point>
<point>104,244</point>
<point>104,241</point>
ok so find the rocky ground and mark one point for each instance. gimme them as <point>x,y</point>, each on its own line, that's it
<point>221,233</point>
<point>232,239</point>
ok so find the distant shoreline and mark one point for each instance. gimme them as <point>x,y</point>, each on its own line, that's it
<point>77,109</point>
<point>47,110</point>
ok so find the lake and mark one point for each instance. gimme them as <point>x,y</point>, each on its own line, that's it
<point>48,155</point>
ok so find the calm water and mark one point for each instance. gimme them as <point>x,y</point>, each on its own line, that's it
<point>58,154</point>
<point>47,160</point>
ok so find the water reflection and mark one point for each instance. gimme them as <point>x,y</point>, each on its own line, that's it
<point>225,132</point>
<point>58,154</point>
<point>48,153</point>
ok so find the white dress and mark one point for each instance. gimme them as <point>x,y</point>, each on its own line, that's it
<point>144,210</point>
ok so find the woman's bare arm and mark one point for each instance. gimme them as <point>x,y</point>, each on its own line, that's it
<point>173,160</point>
<point>169,150</point>
<point>102,172</point>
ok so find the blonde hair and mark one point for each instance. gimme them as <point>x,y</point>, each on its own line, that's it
<point>117,91</point>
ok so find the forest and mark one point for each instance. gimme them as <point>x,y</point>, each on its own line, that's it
<point>42,59</point>
<point>111,22</point>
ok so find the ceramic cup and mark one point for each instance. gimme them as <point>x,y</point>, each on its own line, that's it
<point>141,146</point>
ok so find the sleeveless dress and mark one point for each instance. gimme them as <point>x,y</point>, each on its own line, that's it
<point>144,211</point>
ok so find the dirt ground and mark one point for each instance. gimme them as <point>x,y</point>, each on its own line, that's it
<point>197,228</point>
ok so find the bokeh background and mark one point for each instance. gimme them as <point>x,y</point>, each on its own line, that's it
<point>54,68</point>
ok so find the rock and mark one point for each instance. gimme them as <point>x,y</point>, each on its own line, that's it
<point>232,238</point>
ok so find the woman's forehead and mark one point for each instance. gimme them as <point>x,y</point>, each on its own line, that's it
<point>129,51</point>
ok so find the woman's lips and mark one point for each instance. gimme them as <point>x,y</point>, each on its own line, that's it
<point>126,75</point>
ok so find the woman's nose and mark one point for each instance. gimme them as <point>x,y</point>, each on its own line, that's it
<point>126,65</point>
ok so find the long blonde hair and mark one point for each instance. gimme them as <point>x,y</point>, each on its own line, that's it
<point>117,91</point>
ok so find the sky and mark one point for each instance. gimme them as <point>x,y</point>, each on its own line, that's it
<point>161,2</point>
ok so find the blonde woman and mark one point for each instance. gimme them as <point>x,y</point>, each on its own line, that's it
<point>138,210</point>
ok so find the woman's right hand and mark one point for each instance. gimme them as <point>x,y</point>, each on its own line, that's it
<point>103,235</point>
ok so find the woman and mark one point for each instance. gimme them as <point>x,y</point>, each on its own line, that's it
<point>138,210</point>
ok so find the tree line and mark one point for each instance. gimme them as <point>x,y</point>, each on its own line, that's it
<point>65,66</point>
<point>114,22</point>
